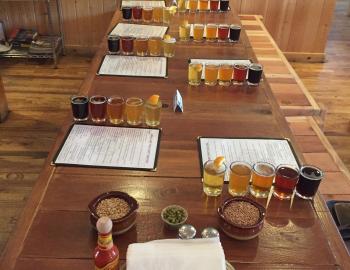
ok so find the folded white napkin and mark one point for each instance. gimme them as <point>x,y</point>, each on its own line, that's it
<point>176,254</point>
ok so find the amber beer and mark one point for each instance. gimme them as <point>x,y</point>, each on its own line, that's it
<point>225,74</point>
<point>141,46</point>
<point>262,179</point>
<point>203,5</point>
<point>198,31</point>
<point>193,4</point>
<point>211,32</point>
<point>285,181</point>
<point>240,173</point>
<point>155,46</point>
<point>211,74</point>
<point>133,110</point>
<point>98,108</point>
<point>158,14</point>
<point>115,110</point>
<point>147,13</point>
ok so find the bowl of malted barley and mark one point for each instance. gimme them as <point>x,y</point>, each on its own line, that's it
<point>241,218</point>
<point>119,206</point>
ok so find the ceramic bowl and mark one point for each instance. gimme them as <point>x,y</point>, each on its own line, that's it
<point>173,226</point>
<point>120,225</point>
<point>241,232</point>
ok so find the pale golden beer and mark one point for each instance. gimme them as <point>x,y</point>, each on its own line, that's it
<point>133,111</point>
<point>155,46</point>
<point>184,32</point>
<point>213,178</point>
<point>152,114</point>
<point>195,73</point>
<point>169,47</point>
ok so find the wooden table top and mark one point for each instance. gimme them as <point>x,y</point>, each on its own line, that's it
<point>54,231</point>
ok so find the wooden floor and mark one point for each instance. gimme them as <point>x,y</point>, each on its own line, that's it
<point>39,102</point>
<point>329,83</point>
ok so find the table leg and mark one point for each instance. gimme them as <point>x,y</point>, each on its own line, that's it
<point>3,103</point>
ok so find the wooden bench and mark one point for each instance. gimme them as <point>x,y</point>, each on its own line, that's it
<point>3,103</point>
<point>292,96</point>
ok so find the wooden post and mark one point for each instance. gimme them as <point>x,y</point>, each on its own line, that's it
<point>3,103</point>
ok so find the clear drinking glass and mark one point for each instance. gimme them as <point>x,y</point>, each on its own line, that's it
<point>152,114</point>
<point>262,179</point>
<point>184,32</point>
<point>155,46</point>
<point>198,32</point>
<point>80,108</point>
<point>133,111</point>
<point>98,108</point>
<point>285,181</point>
<point>211,74</point>
<point>211,32</point>
<point>195,73</point>
<point>225,74</point>
<point>169,47</point>
<point>141,46</point>
<point>240,174</point>
<point>213,178</point>
<point>115,110</point>
<point>309,181</point>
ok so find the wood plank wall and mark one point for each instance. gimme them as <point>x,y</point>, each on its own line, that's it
<point>299,27</point>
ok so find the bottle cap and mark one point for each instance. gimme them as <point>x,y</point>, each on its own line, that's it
<point>104,225</point>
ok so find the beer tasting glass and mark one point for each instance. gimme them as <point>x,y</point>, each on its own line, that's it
<point>309,181</point>
<point>235,32</point>
<point>115,109</point>
<point>240,173</point>
<point>225,74</point>
<point>158,14</point>
<point>127,13</point>
<point>155,46</point>
<point>211,32</point>
<point>213,178</point>
<point>285,181</point>
<point>133,111</point>
<point>198,31</point>
<point>195,73</point>
<point>169,47</point>
<point>80,108</point>
<point>141,46</point>
<point>239,73</point>
<point>211,74</point>
<point>113,44</point>
<point>98,108</point>
<point>152,113</point>
<point>181,5</point>
<point>193,4</point>
<point>262,178</point>
<point>214,5</point>
<point>127,45</point>
<point>224,4</point>
<point>147,14</point>
<point>184,32</point>
<point>167,14</point>
<point>223,32</point>
<point>254,74</point>
<point>137,13</point>
<point>203,5</point>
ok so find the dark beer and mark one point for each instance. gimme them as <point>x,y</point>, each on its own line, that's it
<point>80,108</point>
<point>309,180</point>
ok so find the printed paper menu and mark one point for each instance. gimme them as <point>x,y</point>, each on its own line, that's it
<point>138,30</point>
<point>134,66</point>
<point>116,147</point>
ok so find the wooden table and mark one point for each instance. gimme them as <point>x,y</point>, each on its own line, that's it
<point>55,233</point>
<point>3,103</point>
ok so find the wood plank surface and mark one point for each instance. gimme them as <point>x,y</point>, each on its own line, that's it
<point>302,232</point>
<point>3,102</point>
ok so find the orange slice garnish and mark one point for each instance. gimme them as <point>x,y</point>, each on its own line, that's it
<point>153,100</point>
<point>219,161</point>
<point>167,37</point>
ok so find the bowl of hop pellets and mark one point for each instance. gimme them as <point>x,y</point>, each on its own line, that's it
<point>174,216</point>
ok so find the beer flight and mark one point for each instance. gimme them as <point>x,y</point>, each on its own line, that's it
<point>259,179</point>
<point>100,108</point>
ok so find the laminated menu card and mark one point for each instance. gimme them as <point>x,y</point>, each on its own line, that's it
<point>139,30</point>
<point>134,66</point>
<point>110,147</point>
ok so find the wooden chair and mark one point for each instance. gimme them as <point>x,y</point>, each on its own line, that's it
<point>3,103</point>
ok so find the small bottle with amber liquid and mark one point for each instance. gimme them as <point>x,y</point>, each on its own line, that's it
<point>106,254</point>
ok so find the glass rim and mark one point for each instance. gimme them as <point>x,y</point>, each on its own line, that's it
<point>170,40</point>
<point>296,169</point>
<point>92,99</point>
<point>255,66</point>
<point>109,100</point>
<point>264,163</point>
<point>123,7</point>
<point>79,96</point>
<point>147,8</point>
<point>226,65</point>
<point>240,66</point>
<point>235,26</point>
<point>113,36</point>
<point>127,37</point>
<point>312,167</point>
<point>134,98</point>
<point>137,6</point>
<point>155,37</point>
<point>142,38</point>
<point>212,161</point>
<point>198,24</point>
<point>211,64</point>
<point>241,163</point>
<point>195,63</point>
<point>212,24</point>
<point>224,25</point>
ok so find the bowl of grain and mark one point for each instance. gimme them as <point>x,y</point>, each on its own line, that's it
<point>241,218</point>
<point>119,206</point>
